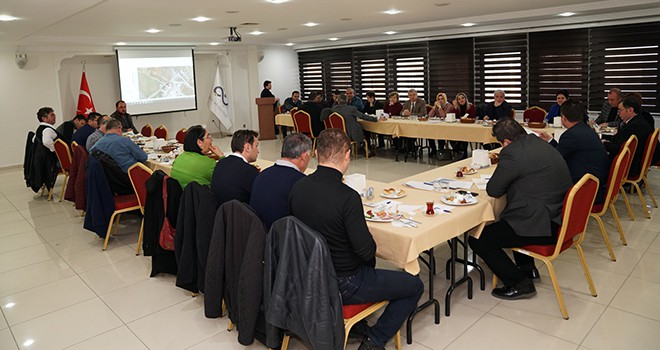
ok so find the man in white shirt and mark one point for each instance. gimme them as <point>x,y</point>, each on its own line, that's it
<point>47,118</point>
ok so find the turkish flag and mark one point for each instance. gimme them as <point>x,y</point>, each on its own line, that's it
<point>85,103</point>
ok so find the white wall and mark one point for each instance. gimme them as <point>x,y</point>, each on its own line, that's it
<point>279,65</point>
<point>53,79</point>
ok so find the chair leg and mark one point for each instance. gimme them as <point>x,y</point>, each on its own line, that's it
<point>555,284</point>
<point>587,274</point>
<point>66,177</point>
<point>648,188</point>
<point>625,200</point>
<point>618,224</point>
<point>605,237</point>
<point>285,342</point>
<point>107,233</point>
<point>366,148</point>
<point>397,340</point>
<point>50,194</point>
<point>230,326</point>
<point>494,281</point>
<point>117,224</point>
<point>314,147</point>
<point>635,187</point>
<point>139,243</point>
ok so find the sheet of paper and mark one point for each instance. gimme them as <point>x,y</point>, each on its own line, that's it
<point>419,185</point>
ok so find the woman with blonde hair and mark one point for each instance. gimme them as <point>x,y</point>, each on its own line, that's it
<point>441,106</point>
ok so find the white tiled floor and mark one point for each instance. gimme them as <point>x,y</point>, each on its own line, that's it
<point>59,290</point>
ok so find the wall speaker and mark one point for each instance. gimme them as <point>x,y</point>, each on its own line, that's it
<point>21,60</point>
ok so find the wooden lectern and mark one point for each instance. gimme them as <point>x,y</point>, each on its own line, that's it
<point>266,118</point>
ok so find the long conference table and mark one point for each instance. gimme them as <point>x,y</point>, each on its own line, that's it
<point>405,246</point>
<point>430,129</point>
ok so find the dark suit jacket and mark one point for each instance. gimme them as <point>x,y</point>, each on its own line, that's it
<point>314,111</point>
<point>232,179</point>
<point>534,177</point>
<point>636,126</point>
<point>351,115</point>
<point>584,154</point>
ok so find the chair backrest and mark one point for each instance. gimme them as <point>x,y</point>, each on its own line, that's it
<point>647,156</point>
<point>147,130</point>
<point>63,154</point>
<point>161,132</point>
<point>534,114</point>
<point>337,121</point>
<point>139,174</point>
<point>279,109</point>
<point>428,108</point>
<point>578,203</point>
<point>74,145</point>
<point>181,135</point>
<point>326,123</point>
<point>513,113</point>
<point>631,144</point>
<point>617,173</point>
<point>302,123</point>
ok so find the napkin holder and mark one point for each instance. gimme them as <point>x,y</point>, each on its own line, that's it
<point>556,122</point>
<point>379,112</point>
<point>481,158</point>
<point>358,182</point>
<point>451,117</point>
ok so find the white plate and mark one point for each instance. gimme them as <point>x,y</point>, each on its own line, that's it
<point>444,199</point>
<point>395,195</point>
<point>388,219</point>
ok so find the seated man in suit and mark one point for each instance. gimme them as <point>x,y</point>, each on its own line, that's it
<point>67,128</point>
<point>313,107</point>
<point>292,102</point>
<point>534,177</point>
<point>271,188</point>
<point>324,203</point>
<point>631,124</point>
<point>581,147</point>
<point>351,115</point>
<point>81,135</point>
<point>499,108</point>
<point>233,175</point>
<point>354,100</point>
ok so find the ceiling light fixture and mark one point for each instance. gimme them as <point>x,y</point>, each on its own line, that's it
<point>567,14</point>
<point>120,43</point>
<point>392,12</point>
<point>277,1</point>
<point>311,24</point>
<point>256,32</point>
<point>390,32</point>
<point>28,342</point>
<point>469,24</point>
<point>7,18</point>
<point>333,39</point>
<point>201,19</point>
<point>214,43</point>
<point>289,44</point>
<point>153,30</point>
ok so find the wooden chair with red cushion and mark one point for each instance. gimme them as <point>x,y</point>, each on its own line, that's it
<point>352,315</point>
<point>649,149</point>
<point>161,132</point>
<point>139,174</point>
<point>617,173</point>
<point>64,156</point>
<point>534,114</point>
<point>337,122</point>
<point>123,204</point>
<point>631,144</point>
<point>428,109</point>
<point>578,203</point>
<point>302,123</point>
<point>147,130</point>
<point>181,135</point>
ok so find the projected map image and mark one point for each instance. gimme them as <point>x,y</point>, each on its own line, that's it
<point>166,82</point>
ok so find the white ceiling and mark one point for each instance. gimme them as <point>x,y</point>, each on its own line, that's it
<point>62,24</point>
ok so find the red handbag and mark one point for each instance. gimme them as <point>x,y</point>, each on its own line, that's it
<point>167,232</point>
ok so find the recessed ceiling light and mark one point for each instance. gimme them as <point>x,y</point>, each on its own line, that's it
<point>469,24</point>
<point>333,39</point>
<point>7,18</point>
<point>289,44</point>
<point>214,43</point>
<point>120,43</point>
<point>256,32</point>
<point>153,30</point>
<point>390,32</point>
<point>28,342</point>
<point>392,12</point>
<point>277,1</point>
<point>9,305</point>
<point>201,19</point>
<point>567,14</point>
<point>311,24</point>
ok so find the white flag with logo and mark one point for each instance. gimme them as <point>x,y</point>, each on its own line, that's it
<point>219,102</point>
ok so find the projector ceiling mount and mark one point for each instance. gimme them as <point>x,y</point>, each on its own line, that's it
<point>234,35</point>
